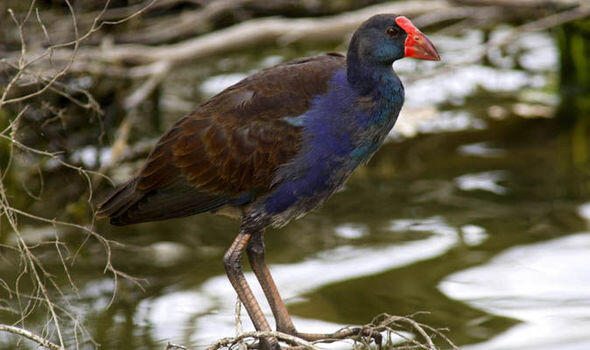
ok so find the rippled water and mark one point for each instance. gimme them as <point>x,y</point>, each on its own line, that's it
<point>544,285</point>
<point>470,213</point>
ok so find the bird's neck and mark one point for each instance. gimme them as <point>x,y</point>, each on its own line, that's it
<point>370,78</point>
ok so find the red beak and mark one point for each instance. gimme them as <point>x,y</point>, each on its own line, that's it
<point>417,44</point>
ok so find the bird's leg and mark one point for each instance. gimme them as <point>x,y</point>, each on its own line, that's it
<point>255,252</point>
<point>232,260</point>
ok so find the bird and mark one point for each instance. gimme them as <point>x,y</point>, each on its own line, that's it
<point>274,146</point>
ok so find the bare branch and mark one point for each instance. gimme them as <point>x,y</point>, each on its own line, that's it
<point>254,32</point>
<point>31,336</point>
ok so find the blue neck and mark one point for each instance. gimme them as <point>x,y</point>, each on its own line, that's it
<point>366,79</point>
<point>376,80</point>
<point>366,74</point>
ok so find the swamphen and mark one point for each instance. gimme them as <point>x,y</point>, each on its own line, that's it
<point>274,146</point>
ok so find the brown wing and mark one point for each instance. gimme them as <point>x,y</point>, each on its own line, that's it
<point>230,145</point>
<point>235,141</point>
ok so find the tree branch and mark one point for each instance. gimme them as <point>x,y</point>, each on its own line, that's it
<point>31,336</point>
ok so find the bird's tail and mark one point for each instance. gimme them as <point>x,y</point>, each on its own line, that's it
<point>119,201</point>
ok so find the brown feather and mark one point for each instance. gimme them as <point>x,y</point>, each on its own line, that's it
<point>231,144</point>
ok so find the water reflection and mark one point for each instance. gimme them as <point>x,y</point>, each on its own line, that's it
<point>297,279</point>
<point>486,181</point>
<point>350,231</point>
<point>544,285</point>
<point>481,149</point>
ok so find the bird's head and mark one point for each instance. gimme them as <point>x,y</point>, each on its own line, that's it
<point>385,38</point>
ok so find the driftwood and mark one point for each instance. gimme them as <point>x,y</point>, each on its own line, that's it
<point>161,26</point>
<point>265,31</point>
<point>283,31</point>
<point>550,5</point>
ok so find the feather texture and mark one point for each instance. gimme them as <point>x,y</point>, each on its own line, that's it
<point>228,148</point>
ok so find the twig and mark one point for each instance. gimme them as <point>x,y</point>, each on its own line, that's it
<point>557,19</point>
<point>382,323</point>
<point>239,329</point>
<point>44,285</point>
<point>70,55</point>
<point>31,336</point>
<point>258,335</point>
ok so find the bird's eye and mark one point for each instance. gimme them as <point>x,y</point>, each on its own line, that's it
<point>392,31</point>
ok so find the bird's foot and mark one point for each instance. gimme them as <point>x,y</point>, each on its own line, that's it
<point>269,344</point>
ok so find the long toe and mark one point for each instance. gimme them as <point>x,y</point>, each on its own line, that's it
<point>269,344</point>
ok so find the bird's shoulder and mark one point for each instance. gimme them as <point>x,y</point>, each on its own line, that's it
<point>234,142</point>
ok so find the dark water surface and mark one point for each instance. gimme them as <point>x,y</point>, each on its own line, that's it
<point>481,219</point>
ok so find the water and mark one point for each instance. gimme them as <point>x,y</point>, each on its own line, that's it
<point>470,212</point>
<point>545,285</point>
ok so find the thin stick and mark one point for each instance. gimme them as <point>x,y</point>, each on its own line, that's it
<point>31,336</point>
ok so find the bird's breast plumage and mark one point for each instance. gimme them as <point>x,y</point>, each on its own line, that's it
<point>341,130</point>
